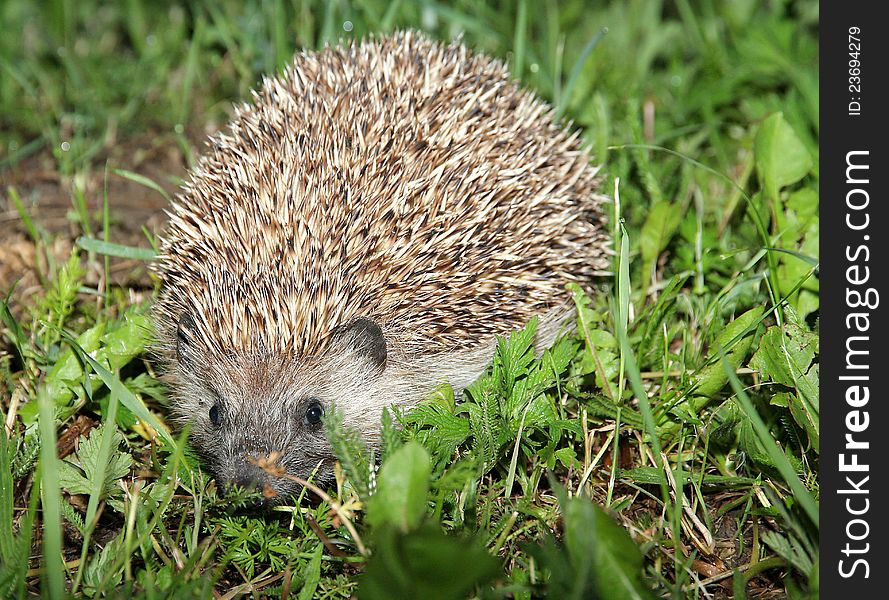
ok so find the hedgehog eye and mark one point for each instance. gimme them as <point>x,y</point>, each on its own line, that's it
<point>214,415</point>
<point>314,412</point>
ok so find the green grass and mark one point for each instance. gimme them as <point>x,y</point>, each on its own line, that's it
<point>669,449</point>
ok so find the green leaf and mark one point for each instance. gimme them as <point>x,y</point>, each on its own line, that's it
<point>603,361</point>
<point>786,355</point>
<point>514,355</point>
<point>439,430</point>
<point>776,455</point>
<point>752,445</point>
<point>100,564</point>
<point>426,564</point>
<point>65,380</point>
<point>112,346</point>
<point>804,204</point>
<point>781,158</point>
<point>402,485</point>
<point>77,476</point>
<point>568,458</point>
<point>543,374</point>
<point>14,330</point>
<point>312,575</point>
<point>616,560</point>
<point>126,341</point>
<point>124,395</point>
<point>598,559</point>
<point>739,332</point>
<point>142,180</point>
<point>660,225</point>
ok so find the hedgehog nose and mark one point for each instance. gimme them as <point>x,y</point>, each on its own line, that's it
<point>250,477</point>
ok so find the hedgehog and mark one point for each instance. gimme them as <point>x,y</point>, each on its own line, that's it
<point>360,234</point>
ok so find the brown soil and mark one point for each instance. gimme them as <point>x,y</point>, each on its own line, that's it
<point>48,196</point>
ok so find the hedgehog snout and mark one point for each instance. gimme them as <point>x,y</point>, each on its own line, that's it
<point>253,473</point>
<point>268,449</point>
<point>247,476</point>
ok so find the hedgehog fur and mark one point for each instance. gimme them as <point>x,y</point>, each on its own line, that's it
<point>359,234</point>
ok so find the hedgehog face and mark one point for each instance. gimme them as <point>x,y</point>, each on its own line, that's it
<point>257,420</point>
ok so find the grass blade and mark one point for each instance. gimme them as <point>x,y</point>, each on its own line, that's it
<point>520,40</point>
<point>145,181</point>
<point>54,569</point>
<point>23,215</point>
<point>576,70</point>
<point>118,250</point>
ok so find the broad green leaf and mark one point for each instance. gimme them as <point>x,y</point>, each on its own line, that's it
<point>781,158</point>
<point>804,205</point>
<point>568,458</point>
<point>660,225</point>
<point>602,361</point>
<point>755,435</point>
<point>67,374</point>
<point>750,443</point>
<point>712,378</point>
<point>591,535</point>
<point>598,559</point>
<point>602,338</point>
<point>65,380</point>
<point>124,395</point>
<point>402,484</point>
<point>805,417</point>
<point>426,564</point>
<point>126,341</point>
<point>76,476</point>
<point>111,345</point>
<point>786,355</point>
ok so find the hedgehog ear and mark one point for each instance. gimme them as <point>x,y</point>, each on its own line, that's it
<point>365,337</point>
<point>184,337</point>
